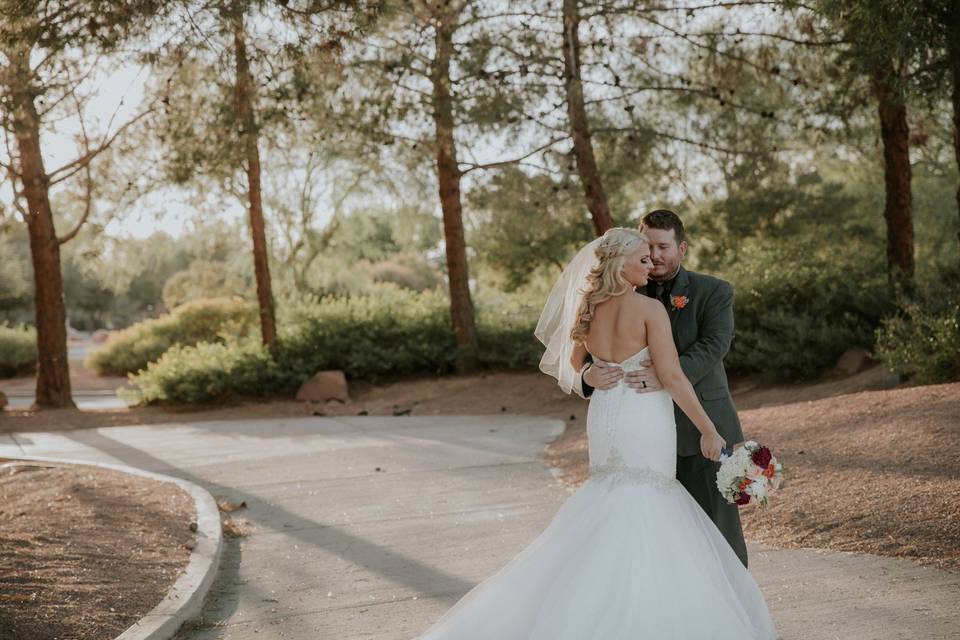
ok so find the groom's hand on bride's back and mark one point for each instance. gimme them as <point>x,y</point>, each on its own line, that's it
<point>601,375</point>
<point>645,379</point>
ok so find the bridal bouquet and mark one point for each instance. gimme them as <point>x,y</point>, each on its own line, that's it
<point>749,473</point>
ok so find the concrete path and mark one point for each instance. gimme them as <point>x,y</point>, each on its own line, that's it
<point>83,400</point>
<point>369,528</point>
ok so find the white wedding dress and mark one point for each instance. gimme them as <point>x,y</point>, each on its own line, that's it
<point>629,556</point>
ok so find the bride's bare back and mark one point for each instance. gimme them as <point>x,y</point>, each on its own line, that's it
<point>619,327</point>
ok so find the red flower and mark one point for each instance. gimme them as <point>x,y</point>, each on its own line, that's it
<point>761,457</point>
<point>679,302</point>
<point>743,499</point>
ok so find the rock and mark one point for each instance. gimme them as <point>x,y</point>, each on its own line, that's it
<point>853,361</point>
<point>323,386</point>
<point>3,401</point>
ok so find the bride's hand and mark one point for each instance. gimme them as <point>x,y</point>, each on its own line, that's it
<point>711,444</point>
<point>601,375</point>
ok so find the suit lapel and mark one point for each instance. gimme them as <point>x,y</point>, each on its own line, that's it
<point>680,285</point>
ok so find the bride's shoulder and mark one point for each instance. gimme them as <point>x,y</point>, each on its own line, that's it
<point>641,303</point>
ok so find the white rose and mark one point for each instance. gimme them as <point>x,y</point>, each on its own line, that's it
<point>758,490</point>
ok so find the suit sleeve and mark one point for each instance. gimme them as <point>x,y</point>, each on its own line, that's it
<point>715,335</point>
<point>585,390</point>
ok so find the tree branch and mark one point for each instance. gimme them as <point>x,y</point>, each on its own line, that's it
<point>675,138</point>
<point>504,163</point>
<point>74,166</point>
<point>88,187</point>
<point>13,175</point>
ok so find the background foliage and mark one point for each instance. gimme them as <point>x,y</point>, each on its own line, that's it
<point>767,148</point>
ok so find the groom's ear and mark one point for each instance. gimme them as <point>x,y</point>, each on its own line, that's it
<point>682,249</point>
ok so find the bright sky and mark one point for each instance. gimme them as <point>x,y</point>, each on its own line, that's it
<point>116,95</point>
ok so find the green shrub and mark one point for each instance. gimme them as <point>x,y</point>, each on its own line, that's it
<point>795,315</point>
<point>922,345</point>
<point>393,333</point>
<point>922,340</point>
<point>210,371</point>
<point>215,320</point>
<point>18,350</point>
<point>505,325</point>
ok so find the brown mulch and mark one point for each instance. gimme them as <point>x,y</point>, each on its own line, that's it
<point>86,552</point>
<point>873,472</point>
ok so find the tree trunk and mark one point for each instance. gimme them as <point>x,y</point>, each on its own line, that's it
<point>579,126</point>
<point>246,121</point>
<point>898,209</point>
<point>953,55</point>
<point>53,370</point>
<point>448,178</point>
<point>956,130</point>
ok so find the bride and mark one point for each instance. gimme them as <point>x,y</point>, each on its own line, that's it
<point>630,555</point>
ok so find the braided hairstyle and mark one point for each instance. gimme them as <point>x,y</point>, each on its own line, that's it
<point>606,279</point>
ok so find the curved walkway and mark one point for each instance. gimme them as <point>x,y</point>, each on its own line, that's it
<point>370,527</point>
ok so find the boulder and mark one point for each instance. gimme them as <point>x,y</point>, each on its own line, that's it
<point>323,386</point>
<point>853,361</point>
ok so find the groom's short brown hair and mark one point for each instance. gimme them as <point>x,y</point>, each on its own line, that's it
<point>664,219</point>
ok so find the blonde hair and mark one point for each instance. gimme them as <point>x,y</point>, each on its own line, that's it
<point>606,279</point>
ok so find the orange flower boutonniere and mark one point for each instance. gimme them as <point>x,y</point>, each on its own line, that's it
<point>679,302</point>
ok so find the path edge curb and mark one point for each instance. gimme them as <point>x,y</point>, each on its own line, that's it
<point>184,600</point>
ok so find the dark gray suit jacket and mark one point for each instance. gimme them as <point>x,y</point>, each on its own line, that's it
<point>702,331</point>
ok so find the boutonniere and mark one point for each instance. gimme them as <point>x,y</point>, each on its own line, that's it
<point>679,302</point>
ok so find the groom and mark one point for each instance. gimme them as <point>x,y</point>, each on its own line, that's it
<point>701,315</point>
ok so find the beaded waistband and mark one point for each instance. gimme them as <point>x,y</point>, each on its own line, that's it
<point>617,470</point>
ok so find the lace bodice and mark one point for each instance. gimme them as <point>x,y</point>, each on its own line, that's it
<point>632,436</point>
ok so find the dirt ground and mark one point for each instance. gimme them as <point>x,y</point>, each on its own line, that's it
<point>85,552</point>
<point>875,472</point>
<point>871,472</point>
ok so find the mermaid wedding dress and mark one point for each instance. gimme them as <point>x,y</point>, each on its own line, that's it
<point>629,556</point>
